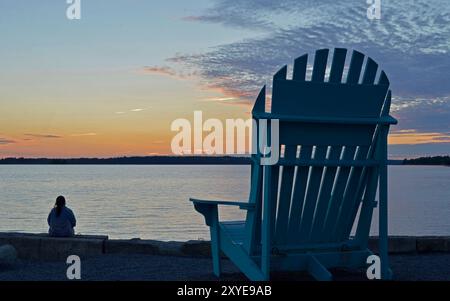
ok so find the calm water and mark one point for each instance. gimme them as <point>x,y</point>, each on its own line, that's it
<point>152,201</point>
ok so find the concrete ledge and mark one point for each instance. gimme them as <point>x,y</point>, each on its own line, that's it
<point>61,248</point>
<point>196,248</point>
<point>136,246</point>
<point>433,244</point>
<point>45,248</point>
<point>397,244</point>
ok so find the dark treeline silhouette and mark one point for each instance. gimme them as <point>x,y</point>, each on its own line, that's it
<point>167,160</point>
<point>437,160</point>
<point>134,160</point>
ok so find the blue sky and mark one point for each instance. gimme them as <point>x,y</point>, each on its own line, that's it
<point>64,78</point>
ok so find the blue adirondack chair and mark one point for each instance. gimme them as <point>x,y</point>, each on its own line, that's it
<point>301,211</point>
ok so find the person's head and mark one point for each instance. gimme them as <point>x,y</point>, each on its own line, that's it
<point>60,203</point>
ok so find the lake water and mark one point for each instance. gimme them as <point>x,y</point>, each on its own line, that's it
<point>151,201</point>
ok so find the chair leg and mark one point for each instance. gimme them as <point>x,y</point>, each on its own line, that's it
<point>386,273</point>
<point>241,258</point>
<point>215,249</point>
<point>317,270</point>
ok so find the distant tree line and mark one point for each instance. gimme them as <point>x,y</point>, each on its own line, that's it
<point>188,160</point>
<point>436,160</point>
<point>167,160</point>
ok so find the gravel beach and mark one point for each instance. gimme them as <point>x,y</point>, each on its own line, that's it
<point>147,267</point>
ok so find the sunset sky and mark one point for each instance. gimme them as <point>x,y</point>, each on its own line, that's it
<point>111,83</point>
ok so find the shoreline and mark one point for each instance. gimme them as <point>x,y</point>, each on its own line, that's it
<point>192,160</point>
<point>41,247</point>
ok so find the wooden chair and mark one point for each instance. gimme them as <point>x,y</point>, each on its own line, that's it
<point>333,144</point>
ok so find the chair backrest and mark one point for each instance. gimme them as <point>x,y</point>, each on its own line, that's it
<point>323,173</point>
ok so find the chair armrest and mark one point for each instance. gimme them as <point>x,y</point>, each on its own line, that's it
<point>209,209</point>
<point>391,120</point>
<point>241,205</point>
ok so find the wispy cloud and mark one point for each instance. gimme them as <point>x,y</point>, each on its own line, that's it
<point>411,43</point>
<point>49,136</point>
<point>218,99</point>
<point>5,141</point>
<point>84,134</point>
<point>162,70</point>
<point>424,115</point>
<point>404,131</point>
<point>135,110</point>
<point>234,99</point>
<point>170,72</point>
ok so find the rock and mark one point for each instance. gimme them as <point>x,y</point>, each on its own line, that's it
<point>8,255</point>
<point>27,246</point>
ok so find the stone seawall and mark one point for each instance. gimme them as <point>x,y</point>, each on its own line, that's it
<point>40,247</point>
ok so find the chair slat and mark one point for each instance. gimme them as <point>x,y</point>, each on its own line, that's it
<point>350,196</point>
<point>260,103</point>
<point>383,79</point>
<point>370,72</point>
<point>337,195</point>
<point>253,224</point>
<point>300,63</point>
<point>284,202</point>
<point>354,70</point>
<point>387,104</point>
<point>281,74</point>
<point>365,216</point>
<point>274,195</point>
<point>365,178</point>
<point>324,195</point>
<point>298,195</point>
<point>312,190</point>
<point>337,65</point>
<point>372,180</point>
<point>320,65</point>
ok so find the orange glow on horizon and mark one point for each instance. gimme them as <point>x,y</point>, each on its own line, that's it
<point>140,144</point>
<point>413,137</point>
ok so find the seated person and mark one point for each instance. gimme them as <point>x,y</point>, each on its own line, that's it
<point>61,219</point>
